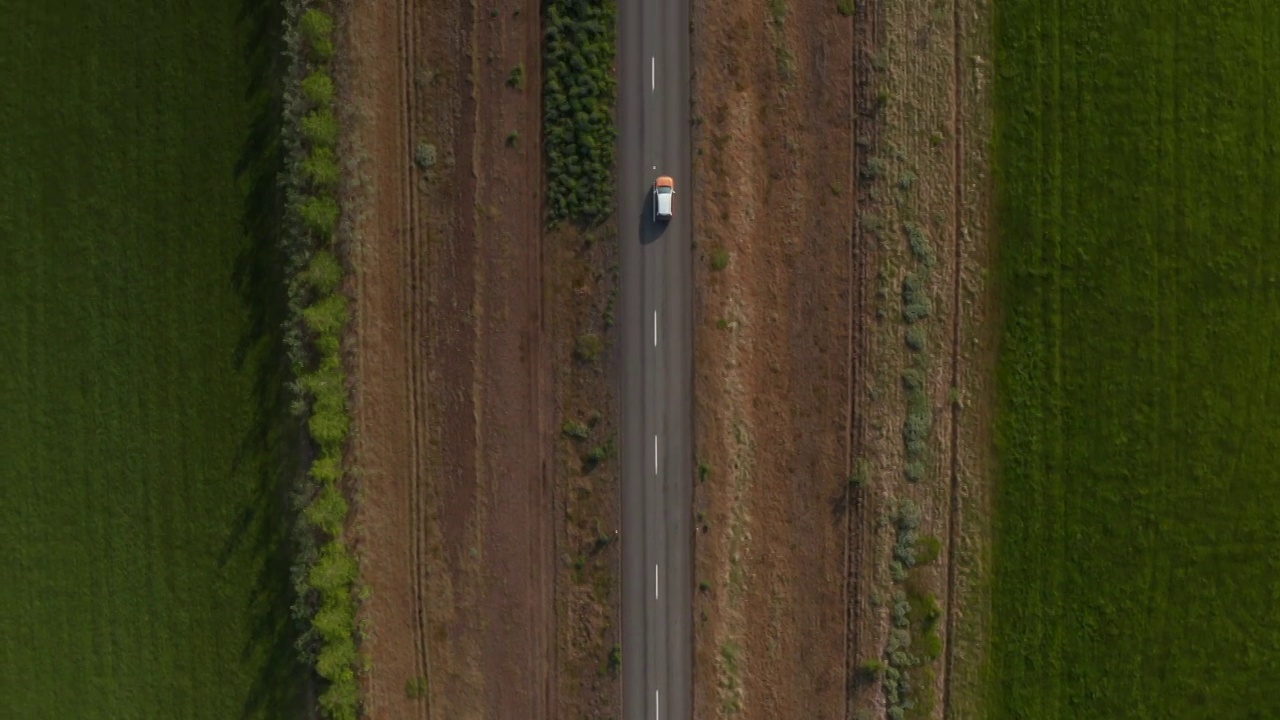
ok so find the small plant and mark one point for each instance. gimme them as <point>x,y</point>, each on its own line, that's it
<point>704,471</point>
<point>861,476</point>
<point>873,169</point>
<point>415,688</point>
<point>846,8</point>
<point>928,548</point>
<point>916,305</point>
<point>513,139</point>
<point>590,346</point>
<point>907,181</point>
<point>935,139</point>
<point>515,79</point>
<point>320,215</point>
<point>317,31</point>
<point>915,338</point>
<point>871,669</point>
<point>321,167</point>
<point>320,127</point>
<point>722,324</point>
<point>872,224</point>
<point>318,88</point>
<point>598,454</point>
<point>704,586</point>
<point>424,156</point>
<point>323,273</point>
<point>615,658</point>
<point>719,259</point>
<point>919,243</point>
<point>576,429</point>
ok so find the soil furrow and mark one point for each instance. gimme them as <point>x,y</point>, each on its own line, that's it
<point>867,32</point>
<point>958,237</point>
<point>419,421</point>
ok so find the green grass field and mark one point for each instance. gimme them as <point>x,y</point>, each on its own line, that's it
<point>1137,559</point>
<point>142,572</point>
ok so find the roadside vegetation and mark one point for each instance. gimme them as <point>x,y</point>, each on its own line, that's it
<point>1136,519</point>
<point>579,94</point>
<point>325,573</point>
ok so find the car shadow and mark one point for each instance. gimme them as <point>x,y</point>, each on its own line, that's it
<point>650,229</point>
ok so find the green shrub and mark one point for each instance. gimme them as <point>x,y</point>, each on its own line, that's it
<point>874,168</point>
<point>861,475</point>
<point>916,305</point>
<point>931,646</point>
<point>323,273</point>
<point>719,259</point>
<point>318,88</point>
<point>914,471</point>
<point>415,688</point>
<point>927,550</point>
<point>335,618</point>
<point>326,469</point>
<point>845,7</point>
<point>328,315</point>
<point>317,31</point>
<point>320,127</point>
<point>320,215</point>
<point>321,168</point>
<point>335,569</point>
<point>576,429</point>
<point>329,428</point>
<point>516,78</point>
<point>328,511</point>
<point>590,345</point>
<point>915,338</point>
<point>424,156</point>
<point>919,243</point>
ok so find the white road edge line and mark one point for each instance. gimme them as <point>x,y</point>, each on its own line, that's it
<point>653,73</point>
<point>655,328</point>
<point>655,581</point>
<point>655,454</point>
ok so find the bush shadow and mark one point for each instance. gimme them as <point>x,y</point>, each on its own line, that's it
<point>270,449</point>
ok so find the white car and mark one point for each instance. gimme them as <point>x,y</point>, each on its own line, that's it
<point>663,190</point>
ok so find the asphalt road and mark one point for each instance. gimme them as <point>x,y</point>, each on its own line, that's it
<point>656,318</point>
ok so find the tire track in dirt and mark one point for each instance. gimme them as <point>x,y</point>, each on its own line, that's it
<point>418,419</point>
<point>958,237</point>
<point>868,34</point>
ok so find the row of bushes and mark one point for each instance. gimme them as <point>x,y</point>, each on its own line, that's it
<point>899,658</point>
<point>578,101</point>
<point>325,573</point>
<point>913,636</point>
<point>916,307</point>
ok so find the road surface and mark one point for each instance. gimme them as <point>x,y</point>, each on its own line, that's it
<point>657,362</point>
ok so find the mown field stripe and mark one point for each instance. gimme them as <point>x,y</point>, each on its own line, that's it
<point>1137,149</point>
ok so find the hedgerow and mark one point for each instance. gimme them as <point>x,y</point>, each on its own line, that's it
<point>578,101</point>
<point>325,573</point>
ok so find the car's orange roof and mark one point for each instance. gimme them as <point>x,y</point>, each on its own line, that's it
<point>665,181</point>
